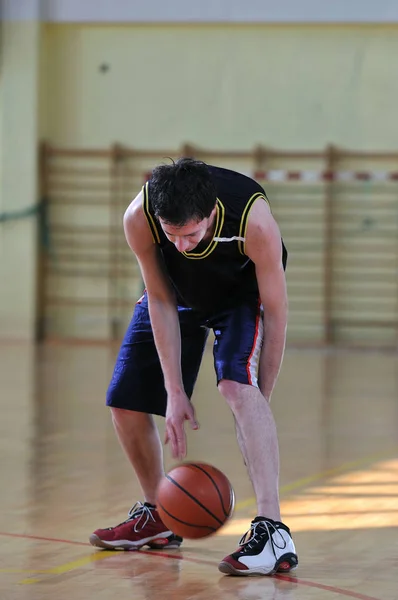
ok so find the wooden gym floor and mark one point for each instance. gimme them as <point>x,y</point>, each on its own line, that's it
<point>63,475</point>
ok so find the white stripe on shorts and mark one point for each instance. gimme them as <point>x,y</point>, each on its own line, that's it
<point>254,358</point>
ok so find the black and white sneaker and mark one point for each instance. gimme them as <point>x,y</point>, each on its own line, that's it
<point>265,549</point>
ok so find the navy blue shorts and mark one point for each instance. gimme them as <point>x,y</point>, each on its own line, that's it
<point>137,382</point>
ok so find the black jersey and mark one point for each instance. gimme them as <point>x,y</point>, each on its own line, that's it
<point>216,274</point>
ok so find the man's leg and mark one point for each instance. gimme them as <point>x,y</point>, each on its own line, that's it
<point>267,547</point>
<point>257,438</point>
<point>140,440</point>
<point>135,393</point>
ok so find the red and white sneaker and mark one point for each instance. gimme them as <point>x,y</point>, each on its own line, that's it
<point>142,528</point>
<point>265,549</point>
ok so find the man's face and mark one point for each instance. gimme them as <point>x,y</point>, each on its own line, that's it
<point>186,237</point>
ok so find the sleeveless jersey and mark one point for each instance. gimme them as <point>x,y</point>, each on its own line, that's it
<point>217,274</point>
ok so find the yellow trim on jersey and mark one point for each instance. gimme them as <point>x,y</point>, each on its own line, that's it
<point>151,222</point>
<point>219,225</point>
<point>245,218</point>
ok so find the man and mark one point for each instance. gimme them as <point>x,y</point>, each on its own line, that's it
<point>211,257</point>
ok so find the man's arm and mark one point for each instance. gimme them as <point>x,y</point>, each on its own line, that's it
<point>164,321</point>
<point>161,298</point>
<point>263,245</point>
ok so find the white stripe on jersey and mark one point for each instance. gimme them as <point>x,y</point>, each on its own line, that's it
<point>231,239</point>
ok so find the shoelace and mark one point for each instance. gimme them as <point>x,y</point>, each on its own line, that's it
<point>140,512</point>
<point>264,528</point>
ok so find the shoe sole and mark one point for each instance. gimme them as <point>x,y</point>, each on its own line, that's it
<point>128,545</point>
<point>285,564</point>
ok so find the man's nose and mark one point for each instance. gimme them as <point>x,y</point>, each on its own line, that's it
<point>181,244</point>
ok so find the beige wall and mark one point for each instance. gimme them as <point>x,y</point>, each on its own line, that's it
<point>222,86</point>
<point>18,176</point>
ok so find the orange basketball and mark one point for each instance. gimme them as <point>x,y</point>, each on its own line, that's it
<point>195,499</point>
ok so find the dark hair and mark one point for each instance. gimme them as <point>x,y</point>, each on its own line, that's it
<point>182,192</point>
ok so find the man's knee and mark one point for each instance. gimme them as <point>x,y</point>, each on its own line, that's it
<point>132,418</point>
<point>233,391</point>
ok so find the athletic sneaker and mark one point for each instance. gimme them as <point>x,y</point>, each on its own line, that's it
<point>265,549</point>
<point>142,528</point>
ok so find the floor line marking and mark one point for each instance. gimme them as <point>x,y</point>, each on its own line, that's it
<point>40,538</point>
<point>71,566</point>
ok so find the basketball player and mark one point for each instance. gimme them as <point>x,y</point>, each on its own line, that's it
<point>211,257</point>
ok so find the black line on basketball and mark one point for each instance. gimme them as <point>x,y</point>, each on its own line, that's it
<point>226,513</point>
<point>184,522</point>
<point>194,499</point>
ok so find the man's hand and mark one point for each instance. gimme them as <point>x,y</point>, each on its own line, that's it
<point>179,410</point>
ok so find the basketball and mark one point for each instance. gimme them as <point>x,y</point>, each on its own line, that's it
<point>195,499</point>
